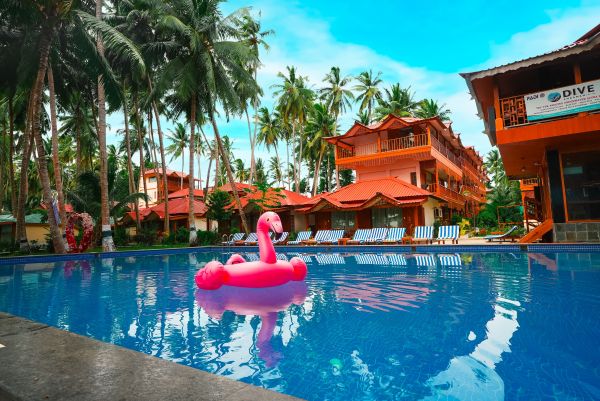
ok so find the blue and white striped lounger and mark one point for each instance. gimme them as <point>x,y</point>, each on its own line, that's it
<point>394,235</point>
<point>334,236</point>
<point>282,238</point>
<point>450,260</point>
<point>423,233</point>
<point>377,235</point>
<point>236,237</point>
<point>450,233</point>
<point>302,236</point>
<point>252,257</point>
<point>251,240</point>
<point>360,236</point>
<point>281,256</point>
<point>322,235</point>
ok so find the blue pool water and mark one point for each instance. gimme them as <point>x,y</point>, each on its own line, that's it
<point>470,326</point>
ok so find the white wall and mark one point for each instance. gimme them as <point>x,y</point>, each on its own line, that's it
<point>428,210</point>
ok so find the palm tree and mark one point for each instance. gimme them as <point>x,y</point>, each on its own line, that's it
<point>363,117</point>
<point>321,124</point>
<point>397,101</point>
<point>494,165</point>
<point>241,173</point>
<point>428,108</point>
<point>179,140</point>
<point>293,103</point>
<point>206,70</point>
<point>254,37</point>
<point>268,133</point>
<point>275,168</point>
<point>368,92</point>
<point>337,98</point>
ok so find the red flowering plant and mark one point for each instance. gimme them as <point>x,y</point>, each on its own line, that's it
<point>87,225</point>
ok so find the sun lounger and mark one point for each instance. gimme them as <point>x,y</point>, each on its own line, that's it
<point>334,236</point>
<point>502,237</point>
<point>302,236</point>
<point>424,260</point>
<point>450,233</point>
<point>282,238</point>
<point>397,259</point>
<point>377,235</point>
<point>320,236</point>
<point>394,235</point>
<point>360,236</point>
<point>236,237</point>
<point>251,240</point>
<point>423,234</point>
<point>252,257</point>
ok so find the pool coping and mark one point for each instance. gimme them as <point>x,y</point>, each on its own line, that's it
<point>38,361</point>
<point>506,247</point>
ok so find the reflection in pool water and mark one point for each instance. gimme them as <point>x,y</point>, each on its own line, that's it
<point>365,326</point>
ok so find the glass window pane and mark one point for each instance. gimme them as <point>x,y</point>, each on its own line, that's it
<point>387,217</point>
<point>581,174</point>
<point>342,220</point>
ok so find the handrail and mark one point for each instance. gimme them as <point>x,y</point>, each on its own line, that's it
<point>385,145</point>
<point>445,151</point>
<point>442,191</point>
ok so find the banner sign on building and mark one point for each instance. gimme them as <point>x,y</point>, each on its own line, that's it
<point>563,101</point>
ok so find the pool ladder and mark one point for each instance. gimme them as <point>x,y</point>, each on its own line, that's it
<point>228,239</point>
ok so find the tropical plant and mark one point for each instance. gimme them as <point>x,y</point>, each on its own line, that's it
<point>179,140</point>
<point>368,93</point>
<point>429,108</point>
<point>397,101</point>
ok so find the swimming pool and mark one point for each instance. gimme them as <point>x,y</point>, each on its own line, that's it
<point>367,326</point>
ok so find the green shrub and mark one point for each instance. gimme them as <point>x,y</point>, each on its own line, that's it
<point>182,235</point>
<point>120,236</point>
<point>146,236</point>
<point>208,237</point>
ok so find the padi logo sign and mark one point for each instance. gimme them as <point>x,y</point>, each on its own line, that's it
<point>563,101</point>
<point>554,97</point>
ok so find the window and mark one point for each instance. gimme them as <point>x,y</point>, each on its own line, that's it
<point>581,175</point>
<point>413,178</point>
<point>387,217</point>
<point>341,220</point>
<point>152,180</point>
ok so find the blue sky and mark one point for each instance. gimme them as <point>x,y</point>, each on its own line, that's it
<point>422,45</point>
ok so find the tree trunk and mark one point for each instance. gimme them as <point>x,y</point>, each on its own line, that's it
<point>229,173</point>
<point>21,233</point>
<point>287,166</point>
<point>55,161</point>
<point>210,159</point>
<point>138,124</point>
<point>296,157</point>
<point>79,158</point>
<point>108,244</point>
<point>317,173</point>
<point>132,189</point>
<point>217,166</point>
<point>252,161</point>
<point>162,159</point>
<point>299,175</point>
<point>11,166</point>
<point>280,173</point>
<point>57,241</point>
<point>191,182</point>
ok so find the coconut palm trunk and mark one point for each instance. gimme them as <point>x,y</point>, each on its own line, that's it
<point>129,163</point>
<point>229,173</point>
<point>11,166</point>
<point>317,172</point>
<point>55,162</point>
<point>108,245</point>
<point>21,233</point>
<point>252,143</point>
<point>191,217</point>
<point>210,159</point>
<point>138,124</point>
<point>162,158</point>
<point>37,93</point>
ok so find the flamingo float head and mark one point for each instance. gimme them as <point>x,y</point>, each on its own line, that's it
<point>269,221</point>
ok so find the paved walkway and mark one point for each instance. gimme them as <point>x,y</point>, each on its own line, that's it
<point>38,362</point>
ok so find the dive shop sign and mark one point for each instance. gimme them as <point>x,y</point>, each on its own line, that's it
<point>562,101</point>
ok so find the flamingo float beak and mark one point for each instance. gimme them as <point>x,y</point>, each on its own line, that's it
<point>277,227</point>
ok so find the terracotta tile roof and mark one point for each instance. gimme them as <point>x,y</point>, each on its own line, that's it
<point>368,193</point>
<point>240,186</point>
<point>274,199</point>
<point>179,206</point>
<point>182,193</point>
<point>169,172</point>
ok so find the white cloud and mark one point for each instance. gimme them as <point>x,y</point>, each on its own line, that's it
<point>306,42</point>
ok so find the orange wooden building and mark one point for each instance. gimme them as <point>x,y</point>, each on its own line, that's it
<point>543,114</point>
<point>439,176</point>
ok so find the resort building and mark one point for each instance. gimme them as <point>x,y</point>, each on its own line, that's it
<point>176,181</point>
<point>543,115</point>
<point>409,172</point>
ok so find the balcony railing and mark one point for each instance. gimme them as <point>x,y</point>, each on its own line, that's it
<point>513,111</point>
<point>387,145</point>
<point>445,151</point>
<point>531,181</point>
<point>444,192</point>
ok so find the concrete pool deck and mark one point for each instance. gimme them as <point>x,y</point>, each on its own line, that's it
<point>40,362</point>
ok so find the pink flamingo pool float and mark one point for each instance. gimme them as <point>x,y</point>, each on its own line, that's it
<point>267,272</point>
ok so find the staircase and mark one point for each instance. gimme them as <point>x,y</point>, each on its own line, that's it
<point>537,233</point>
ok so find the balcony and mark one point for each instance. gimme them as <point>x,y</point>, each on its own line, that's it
<point>513,111</point>
<point>413,144</point>
<point>445,193</point>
